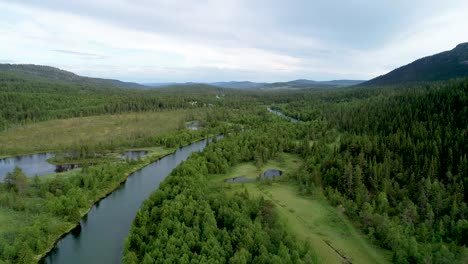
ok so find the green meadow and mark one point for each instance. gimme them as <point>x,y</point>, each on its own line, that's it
<point>309,217</point>
<point>106,129</point>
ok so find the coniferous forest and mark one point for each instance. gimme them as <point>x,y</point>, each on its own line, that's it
<point>233,132</point>
<point>397,169</point>
<point>388,162</point>
<point>390,159</point>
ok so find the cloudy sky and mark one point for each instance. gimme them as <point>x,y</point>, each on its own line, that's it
<point>221,40</point>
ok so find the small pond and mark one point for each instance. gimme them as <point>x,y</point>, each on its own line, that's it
<point>192,125</point>
<point>32,165</point>
<point>271,174</point>
<point>239,179</point>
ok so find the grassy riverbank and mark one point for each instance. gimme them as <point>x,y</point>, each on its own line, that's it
<point>52,205</point>
<point>311,218</point>
<point>157,153</point>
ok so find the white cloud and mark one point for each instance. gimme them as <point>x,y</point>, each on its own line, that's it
<point>47,31</point>
<point>213,40</point>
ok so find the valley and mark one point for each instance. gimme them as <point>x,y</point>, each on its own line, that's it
<point>324,216</point>
<point>270,132</point>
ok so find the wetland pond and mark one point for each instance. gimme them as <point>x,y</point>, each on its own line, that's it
<point>37,164</point>
<point>268,174</point>
<point>31,165</point>
<point>271,174</point>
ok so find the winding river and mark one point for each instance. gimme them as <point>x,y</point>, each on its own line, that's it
<point>101,234</point>
<point>278,113</point>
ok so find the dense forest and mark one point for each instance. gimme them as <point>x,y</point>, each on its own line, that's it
<point>392,159</point>
<point>27,99</point>
<point>442,66</point>
<point>400,168</point>
<point>187,219</point>
<point>42,208</point>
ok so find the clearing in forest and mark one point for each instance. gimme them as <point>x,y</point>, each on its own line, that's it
<point>331,235</point>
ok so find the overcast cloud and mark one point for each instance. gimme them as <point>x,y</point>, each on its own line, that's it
<point>221,40</point>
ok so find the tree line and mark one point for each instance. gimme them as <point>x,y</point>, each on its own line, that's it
<point>189,220</point>
<point>400,167</point>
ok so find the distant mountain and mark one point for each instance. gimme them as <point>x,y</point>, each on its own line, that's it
<point>343,82</point>
<point>296,84</point>
<point>55,74</point>
<point>238,85</point>
<point>304,84</point>
<point>156,85</point>
<point>442,66</point>
<point>232,85</point>
<point>169,84</point>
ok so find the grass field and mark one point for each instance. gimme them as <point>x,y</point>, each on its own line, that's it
<point>56,134</point>
<point>284,162</point>
<point>330,233</point>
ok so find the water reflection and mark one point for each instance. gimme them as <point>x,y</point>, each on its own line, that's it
<point>102,236</point>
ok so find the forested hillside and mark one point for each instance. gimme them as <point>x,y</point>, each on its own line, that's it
<point>234,132</point>
<point>442,66</point>
<point>28,97</point>
<point>391,159</point>
<point>55,74</point>
<point>400,168</point>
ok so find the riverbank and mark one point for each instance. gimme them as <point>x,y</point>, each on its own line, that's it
<point>101,236</point>
<point>52,205</point>
<point>154,154</point>
<point>148,159</point>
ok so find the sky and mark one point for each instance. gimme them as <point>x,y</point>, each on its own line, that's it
<point>228,40</point>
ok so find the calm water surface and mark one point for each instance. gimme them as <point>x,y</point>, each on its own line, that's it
<point>31,165</point>
<point>100,238</point>
<point>278,113</point>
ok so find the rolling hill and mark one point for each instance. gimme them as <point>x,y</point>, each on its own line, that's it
<point>305,84</point>
<point>54,74</point>
<point>442,66</point>
<point>47,73</point>
<point>296,84</point>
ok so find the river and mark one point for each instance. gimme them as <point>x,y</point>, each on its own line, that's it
<point>100,237</point>
<point>278,113</point>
